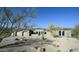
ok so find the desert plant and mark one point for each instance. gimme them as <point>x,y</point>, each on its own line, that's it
<point>75,31</point>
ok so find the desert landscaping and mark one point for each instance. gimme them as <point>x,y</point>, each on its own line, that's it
<point>51,44</point>
<point>27,29</point>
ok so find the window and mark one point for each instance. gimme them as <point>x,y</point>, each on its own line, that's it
<point>63,33</point>
<point>44,32</point>
<point>30,32</point>
<point>59,33</point>
<point>22,33</point>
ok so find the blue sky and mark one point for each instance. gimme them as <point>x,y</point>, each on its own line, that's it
<point>66,17</point>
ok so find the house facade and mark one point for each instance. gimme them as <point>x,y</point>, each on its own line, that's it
<point>31,33</point>
<point>41,32</point>
<point>66,32</point>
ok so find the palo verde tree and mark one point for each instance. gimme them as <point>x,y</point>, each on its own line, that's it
<point>9,20</point>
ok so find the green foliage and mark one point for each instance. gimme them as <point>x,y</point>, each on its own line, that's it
<point>75,31</point>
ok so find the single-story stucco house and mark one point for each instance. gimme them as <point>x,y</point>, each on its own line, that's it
<point>42,32</point>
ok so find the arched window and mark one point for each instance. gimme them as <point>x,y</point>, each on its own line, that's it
<point>59,33</point>
<point>62,33</point>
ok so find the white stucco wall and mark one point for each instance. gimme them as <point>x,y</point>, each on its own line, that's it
<point>67,33</point>
<point>26,34</point>
<point>19,33</point>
